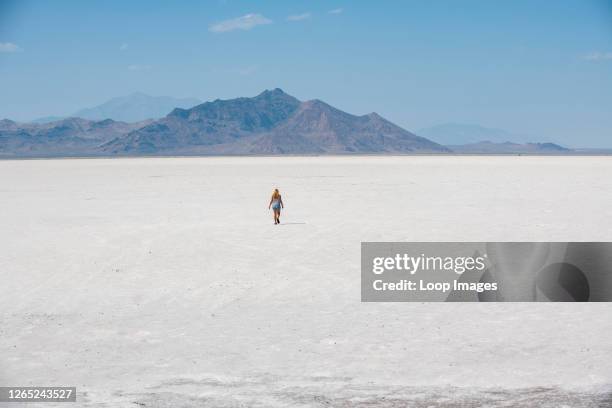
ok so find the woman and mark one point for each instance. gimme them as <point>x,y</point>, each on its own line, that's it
<point>276,202</point>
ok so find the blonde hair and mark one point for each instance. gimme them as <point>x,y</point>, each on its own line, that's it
<point>275,193</point>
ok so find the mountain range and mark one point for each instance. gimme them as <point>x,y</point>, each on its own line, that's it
<point>487,147</point>
<point>461,134</point>
<point>272,122</point>
<point>65,137</point>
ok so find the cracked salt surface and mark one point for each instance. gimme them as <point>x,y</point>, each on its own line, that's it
<point>180,291</point>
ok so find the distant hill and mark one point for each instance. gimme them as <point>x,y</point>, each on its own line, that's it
<point>272,122</point>
<point>460,134</point>
<point>135,107</point>
<point>487,147</point>
<point>65,137</point>
<point>47,119</point>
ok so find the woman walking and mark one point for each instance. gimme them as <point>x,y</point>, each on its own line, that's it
<point>276,202</point>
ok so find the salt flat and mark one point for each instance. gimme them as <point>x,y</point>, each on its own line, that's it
<point>163,282</point>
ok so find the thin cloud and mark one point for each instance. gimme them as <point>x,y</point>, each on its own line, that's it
<point>335,11</point>
<point>598,56</point>
<point>9,47</point>
<point>245,22</point>
<point>299,17</point>
<point>123,47</point>
<point>138,67</point>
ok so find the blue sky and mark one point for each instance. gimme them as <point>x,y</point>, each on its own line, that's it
<point>541,68</point>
